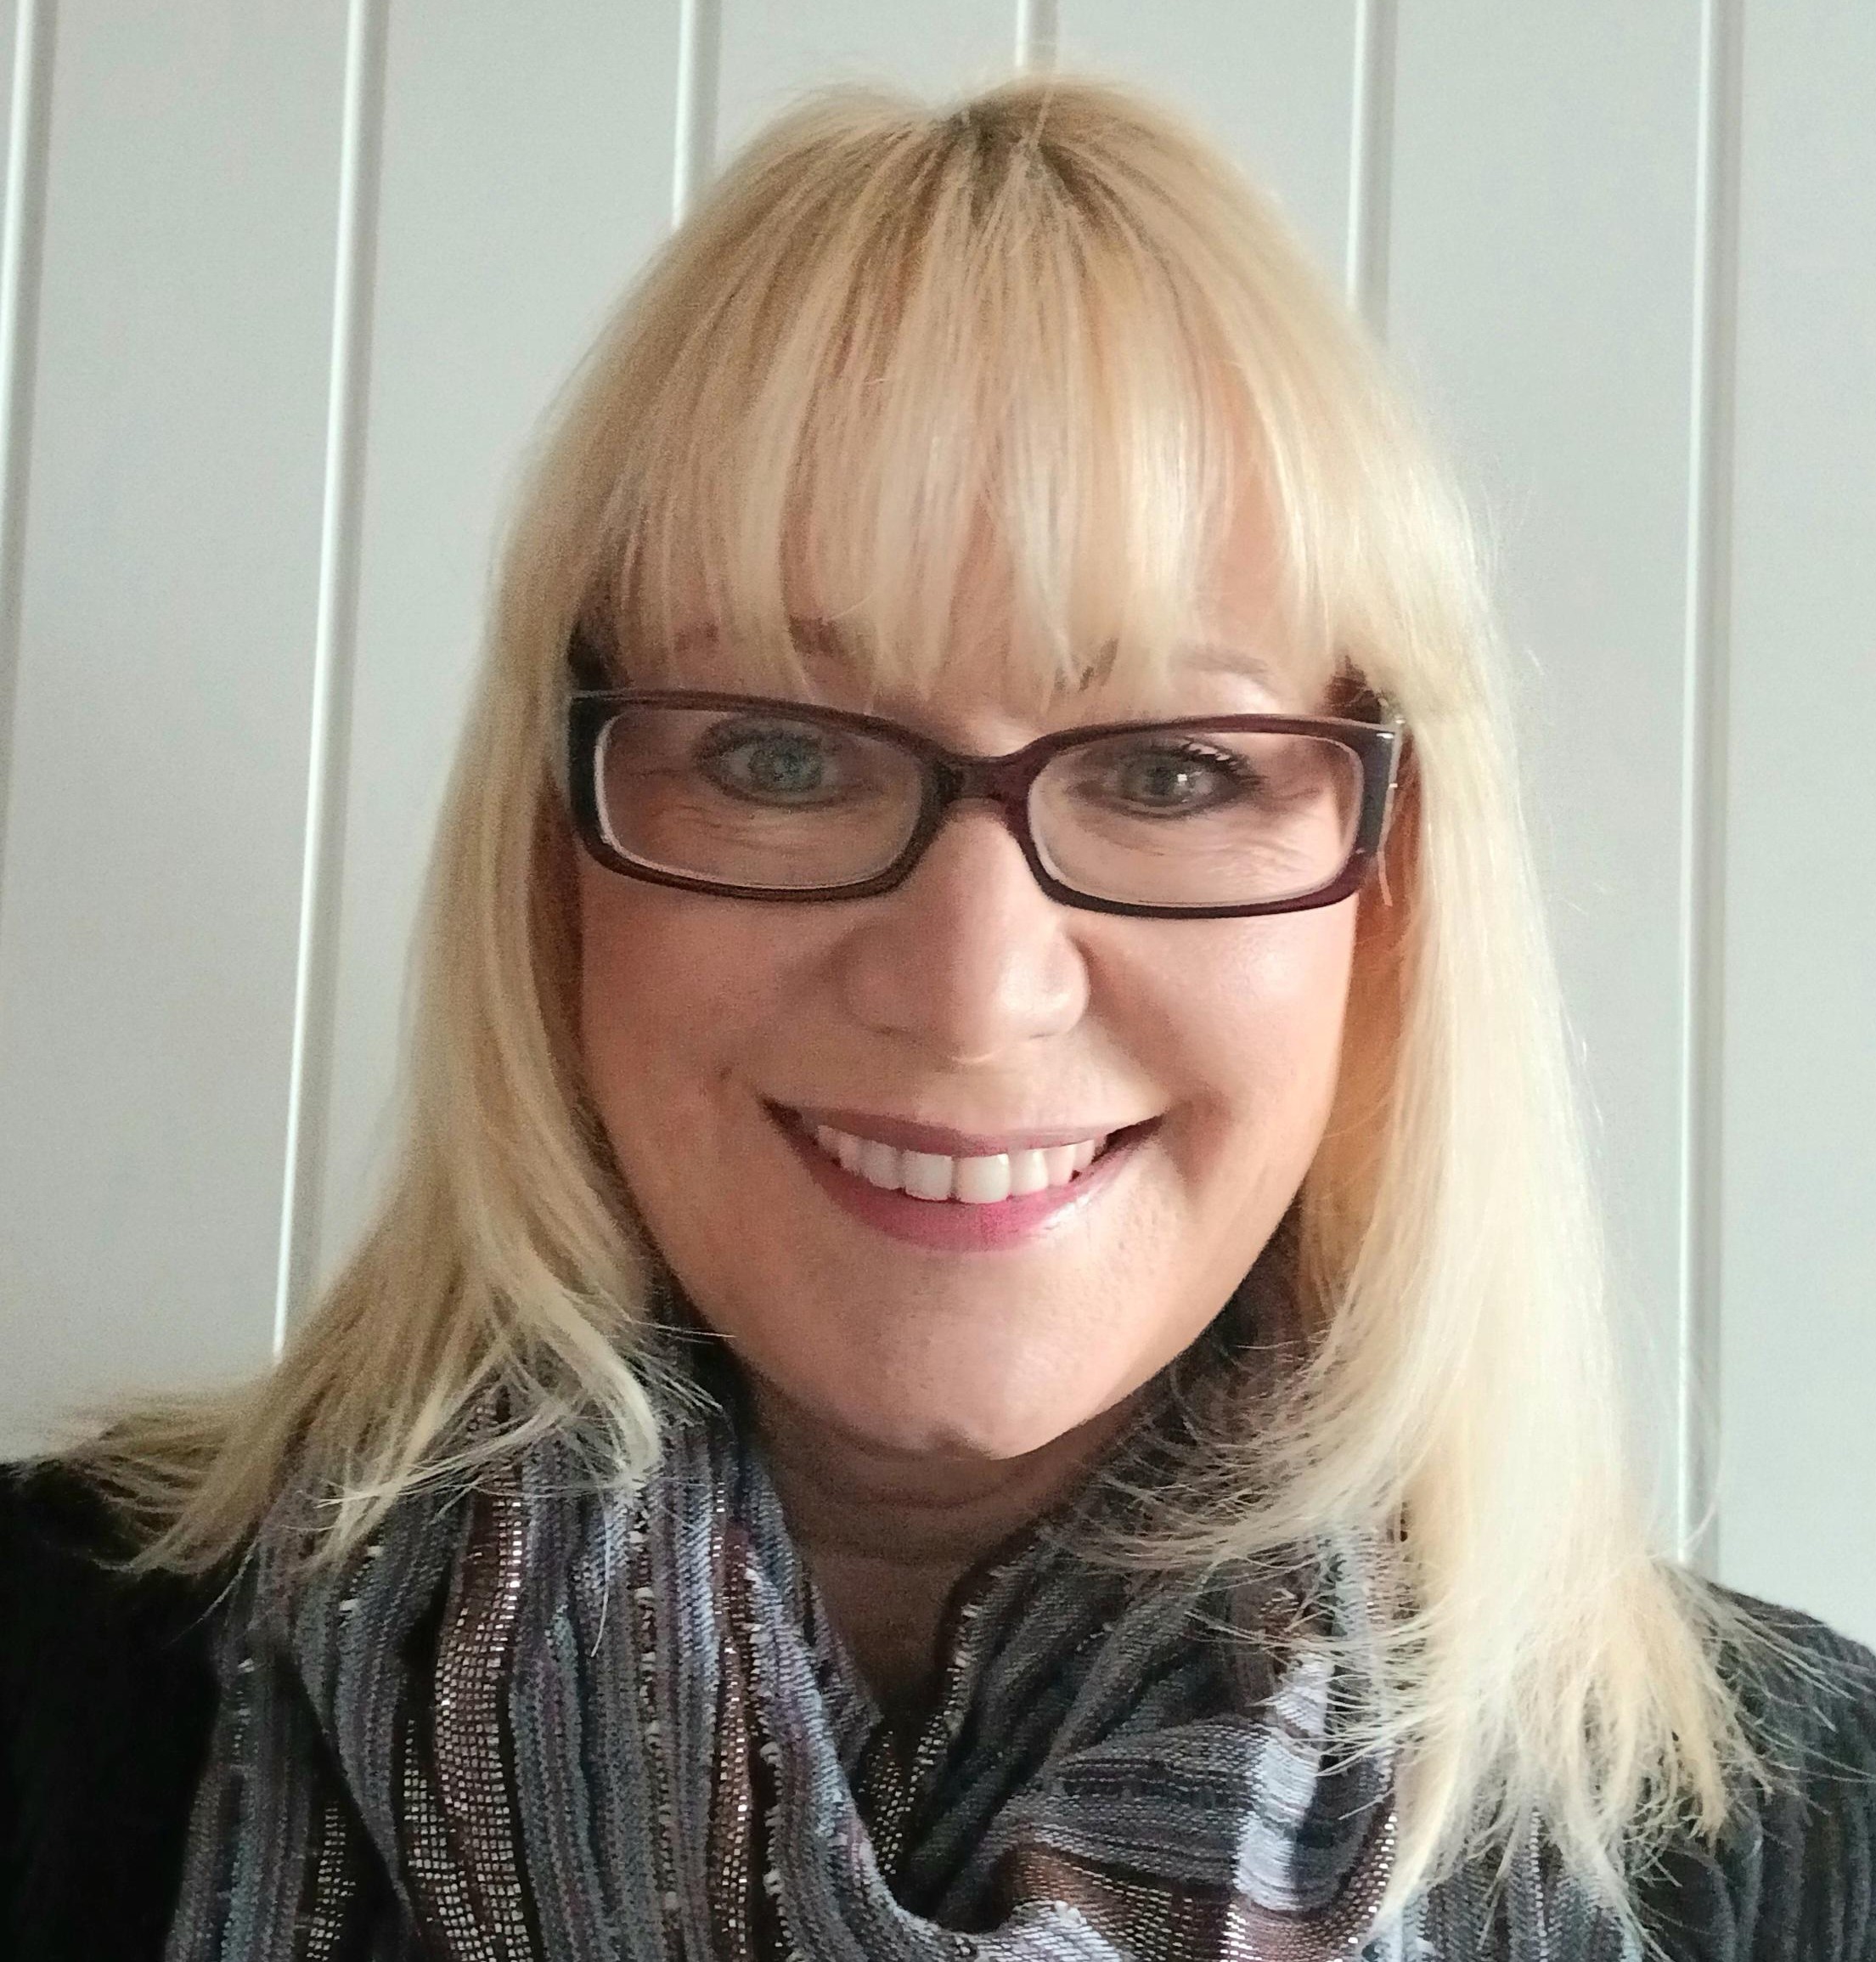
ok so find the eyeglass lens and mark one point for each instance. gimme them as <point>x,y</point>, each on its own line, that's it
<point>1187,817</point>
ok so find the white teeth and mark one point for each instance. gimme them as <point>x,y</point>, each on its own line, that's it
<point>926,1174</point>
<point>879,1164</point>
<point>977,1181</point>
<point>983,1181</point>
<point>1029,1173</point>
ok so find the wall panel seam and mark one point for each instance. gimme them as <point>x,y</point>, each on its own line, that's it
<point>334,658</point>
<point>1371,162</point>
<point>1038,36</point>
<point>700,61</point>
<point>1704,775</point>
<point>21,252</point>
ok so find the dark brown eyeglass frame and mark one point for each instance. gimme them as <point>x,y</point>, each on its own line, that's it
<point>948,776</point>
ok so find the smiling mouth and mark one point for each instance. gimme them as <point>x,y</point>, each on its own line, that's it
<point>939,1177</point>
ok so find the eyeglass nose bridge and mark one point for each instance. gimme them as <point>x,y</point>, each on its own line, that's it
<point>1002,782</point>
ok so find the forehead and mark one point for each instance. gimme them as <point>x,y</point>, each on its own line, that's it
<point>997,643</point>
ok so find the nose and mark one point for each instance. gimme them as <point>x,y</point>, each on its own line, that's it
<point>969,959</point>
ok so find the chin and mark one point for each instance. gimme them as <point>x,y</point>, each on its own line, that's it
<point>989,1430</point>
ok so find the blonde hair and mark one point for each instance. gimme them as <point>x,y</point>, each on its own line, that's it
<point>1050,321</point>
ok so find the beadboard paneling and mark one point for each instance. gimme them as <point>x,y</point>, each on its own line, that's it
<point>525,176</point>
<point>147,917</point>
<point>1798,1356</point>
<point>1541,298</point>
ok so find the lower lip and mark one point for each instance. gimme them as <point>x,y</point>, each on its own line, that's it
<point>954,1226</point>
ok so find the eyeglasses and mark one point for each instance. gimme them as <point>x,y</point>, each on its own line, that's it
<point>757,797</point>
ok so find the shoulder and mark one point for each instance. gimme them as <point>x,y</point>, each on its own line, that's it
<point>67,1601</point>
<point>106,1697</point>
<point>1791,1880</point>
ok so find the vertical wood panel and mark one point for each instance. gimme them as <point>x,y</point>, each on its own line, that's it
<point>1542,286</point>
<point>1271,80</point>
<point>1039,34</point>
<point>322,874</point>
<point>25,75</point>
<point>1799,1458</point>
<point>936,47</point>
<point>146,943</point>
<point>700,55</point>
<point>1370,161</point>
<point>525,176</point>
<point>1703,733</point>
<point>10,24</point>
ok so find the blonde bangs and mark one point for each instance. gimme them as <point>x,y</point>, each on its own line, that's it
<point>957,354</point>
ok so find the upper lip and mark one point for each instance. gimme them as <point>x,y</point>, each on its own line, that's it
<point>911,1136</point>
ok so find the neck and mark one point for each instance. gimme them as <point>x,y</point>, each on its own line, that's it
<point>887,1535</point>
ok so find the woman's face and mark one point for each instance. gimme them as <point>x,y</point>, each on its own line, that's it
<point>969,1000</point>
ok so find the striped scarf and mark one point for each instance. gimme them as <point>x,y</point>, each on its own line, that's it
<point>539,1721</point>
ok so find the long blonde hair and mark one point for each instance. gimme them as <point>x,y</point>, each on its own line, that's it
<point>1052,316</point>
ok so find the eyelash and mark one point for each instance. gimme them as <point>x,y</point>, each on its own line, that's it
<point>1237,774</point>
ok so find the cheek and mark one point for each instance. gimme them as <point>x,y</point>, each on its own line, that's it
<point>1255,1015</point>
<point>624,1006</point>
<point>666,990</point>
<point>683,1005</point>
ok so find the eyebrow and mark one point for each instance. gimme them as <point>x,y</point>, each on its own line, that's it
<point>818,634</point>
<point>1210,658</point>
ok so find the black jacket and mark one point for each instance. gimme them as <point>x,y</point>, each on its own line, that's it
<point>106,1696</point>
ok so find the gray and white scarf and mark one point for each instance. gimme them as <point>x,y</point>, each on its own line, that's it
<point>536,1722</point>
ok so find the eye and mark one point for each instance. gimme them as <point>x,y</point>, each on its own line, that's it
<point>773,761</point>
<point>1169,777</point>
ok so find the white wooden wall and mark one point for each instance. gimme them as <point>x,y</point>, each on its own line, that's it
<point>286,284</point>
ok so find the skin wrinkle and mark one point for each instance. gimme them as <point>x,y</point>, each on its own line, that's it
<point>920,1406</point>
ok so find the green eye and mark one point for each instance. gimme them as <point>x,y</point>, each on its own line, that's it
<point>1168,779</point>
<point>784,763</point>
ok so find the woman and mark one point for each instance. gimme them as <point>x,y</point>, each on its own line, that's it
<point>987,1339</point>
